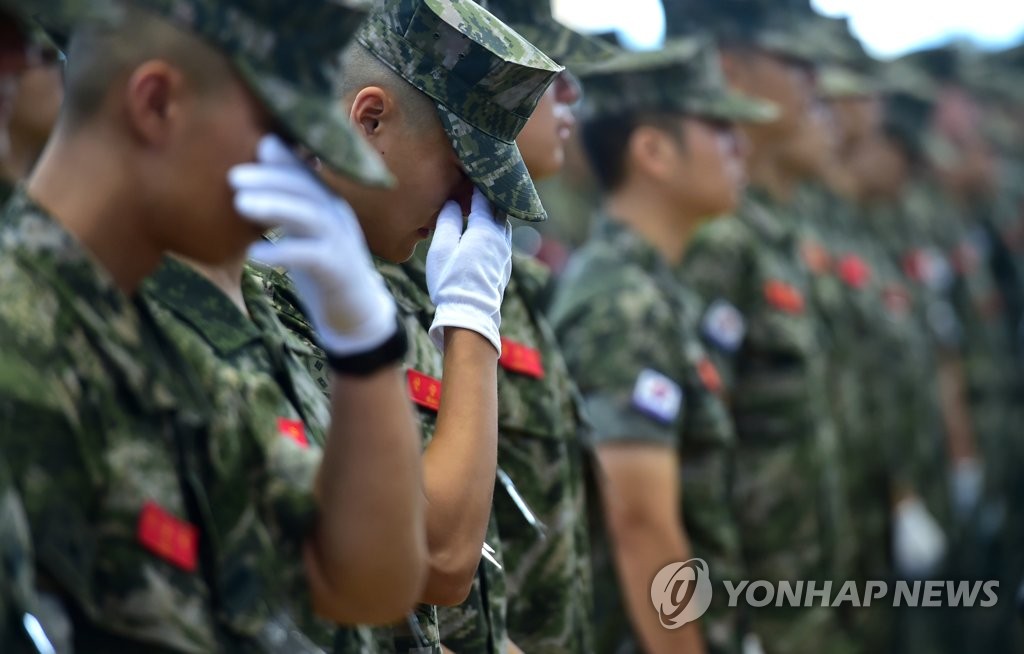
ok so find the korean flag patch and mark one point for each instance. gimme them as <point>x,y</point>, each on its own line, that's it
<point>723,326</point>
<point>657,396</point>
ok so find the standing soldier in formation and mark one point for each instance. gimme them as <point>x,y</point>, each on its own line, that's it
<point>156,530</point>
<point>443,89</point>
<point>659,135</point>
<point>788,486</point>
<point>540,503</point>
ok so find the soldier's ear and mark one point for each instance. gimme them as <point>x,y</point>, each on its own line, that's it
<point>647,152</point>
<point>371,109</point>
<point>152,101</point>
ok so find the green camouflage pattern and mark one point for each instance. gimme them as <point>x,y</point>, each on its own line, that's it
<point>104,424</point>
<point>787,28</point>
<point>286,52</point>
<point>258,377</point>
<point>837,82</point>
<point>93,402</point>
<point>904,402</point>
<point>534,20</point>
<point>17,589</point>
<point>485,79</point>
<point>540,448</point>
<point>478,625</point>
<point>419,633</point>
<point>685,77</point>
<point>788,485</point>
<point>619,311</point>
<point>882,389</point>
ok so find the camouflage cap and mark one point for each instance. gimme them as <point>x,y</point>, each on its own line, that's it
<point>284,51</point>
<point>778,26</point>
<point>995,76</point>
<point>837,82</point>
<point>685,77</point>
<point>485,79</point>
<point>534,20</point>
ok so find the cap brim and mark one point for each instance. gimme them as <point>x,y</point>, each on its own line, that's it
<point>495,167</point>
<point>836,83</point>
<point>734,107</point>
<point>793,45</point>
<point>316,121</point>
<point>566,46</point>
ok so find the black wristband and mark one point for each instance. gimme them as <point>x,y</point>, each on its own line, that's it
<point>387,353</point>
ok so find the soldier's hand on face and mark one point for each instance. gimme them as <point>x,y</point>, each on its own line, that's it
<point>468,269</point>
<point>321,246</point>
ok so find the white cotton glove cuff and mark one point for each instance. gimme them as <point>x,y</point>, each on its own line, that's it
<point>918,541</point>
<point>465,317</point>
<point>468,270</point>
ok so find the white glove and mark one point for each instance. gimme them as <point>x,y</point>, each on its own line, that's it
<point>321,246</point>
<point>918,541</point>
<point>967,480</point>
<point>467,271</point>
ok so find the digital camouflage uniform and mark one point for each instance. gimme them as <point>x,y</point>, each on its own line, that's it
<point>625,324</point>
<point>254,374</point>
<point>787,489</point>
<point>479,623</point>
<point>482,617</point>
<point>540,449</point>
<point>85,373</point>
<point>485,81</point>
<point>621,314</point>
<point>545,542</point>
<point>159,525</point>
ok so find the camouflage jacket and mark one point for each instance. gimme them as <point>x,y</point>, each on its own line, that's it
<point>468,627</point>
<point>96,416</point>
<point>540,502</point>
<point>478,625</point>
<point>255,376</point>
<point>787,489</point>
<point>631,338</point>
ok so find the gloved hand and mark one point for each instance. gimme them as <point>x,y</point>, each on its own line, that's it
<point>918,541</point>
<point>321,246</point>
<point>467,271</point>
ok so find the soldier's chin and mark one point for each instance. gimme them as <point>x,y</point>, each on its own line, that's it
<point>401,252</point>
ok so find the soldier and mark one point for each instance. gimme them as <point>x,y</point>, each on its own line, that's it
<point>891,433</point>
<point>905,400</point>
<point>658,131</point>
<point>442,89</point>
<point>161,532</point>
<point>788,482</point>
<point>540,504</point>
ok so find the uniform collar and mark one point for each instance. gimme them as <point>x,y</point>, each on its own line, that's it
<point>195,300</point>
<point>627,242</point>
<point>760,211</point>
<point>119,327</point>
